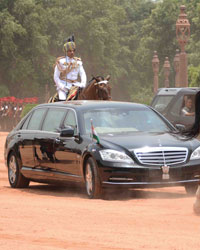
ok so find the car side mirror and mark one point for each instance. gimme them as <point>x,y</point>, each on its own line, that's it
<point>180,127</point>
<point>67,132</point>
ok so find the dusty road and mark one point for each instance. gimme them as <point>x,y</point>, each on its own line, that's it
<point>52,218</point>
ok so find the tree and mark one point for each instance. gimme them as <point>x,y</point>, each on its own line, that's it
<point>114,37</point>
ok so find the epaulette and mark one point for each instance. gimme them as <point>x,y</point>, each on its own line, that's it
<point>58,62</point>
<point>77,58</point>
<point>60,57</point>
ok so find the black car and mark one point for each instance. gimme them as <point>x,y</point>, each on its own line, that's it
<point>134,146</point>
<point>170,102</point>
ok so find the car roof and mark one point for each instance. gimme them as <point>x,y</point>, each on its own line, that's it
<point>175,91</point>
<point>92,104</point>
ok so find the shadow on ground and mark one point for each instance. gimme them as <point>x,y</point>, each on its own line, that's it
<point>77,190</point>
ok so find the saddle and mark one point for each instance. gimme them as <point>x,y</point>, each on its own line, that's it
<point>73,93</point>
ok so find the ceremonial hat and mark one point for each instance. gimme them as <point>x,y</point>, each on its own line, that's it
<point>70,44</point>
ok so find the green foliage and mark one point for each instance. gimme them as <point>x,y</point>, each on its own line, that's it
<point>144,95</point>
<point>27,108</point>
<point>194,76</point>
<point>115,37</point>
<point>4,91</point>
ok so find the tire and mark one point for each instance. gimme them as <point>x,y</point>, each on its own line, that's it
<point>92,180</point>
<point>16,179</point>
<point>191,188</point>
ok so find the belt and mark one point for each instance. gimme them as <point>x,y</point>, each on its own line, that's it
<point>67,80</point>
<point>71,81</point>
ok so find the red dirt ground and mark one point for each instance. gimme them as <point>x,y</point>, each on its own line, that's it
<point>53,218</point>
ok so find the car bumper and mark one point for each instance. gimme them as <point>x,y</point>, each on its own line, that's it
<point>143,176</point>
<point>150,184</point>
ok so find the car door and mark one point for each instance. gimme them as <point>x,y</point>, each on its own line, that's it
<point>67,154</point>
<point>26,137</point>
<point>44,141</point>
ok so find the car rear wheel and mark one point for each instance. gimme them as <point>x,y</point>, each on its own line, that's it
<point>16,179</point>
<point>191,188</point>
<point>92,180</point>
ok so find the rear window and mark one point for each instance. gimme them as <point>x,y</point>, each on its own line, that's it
<point>36,119</point>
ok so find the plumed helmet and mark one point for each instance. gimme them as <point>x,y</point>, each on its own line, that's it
<point>70,44</point>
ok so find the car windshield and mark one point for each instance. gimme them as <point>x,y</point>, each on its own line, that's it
<point>124,121</point>
<point>161,102</point>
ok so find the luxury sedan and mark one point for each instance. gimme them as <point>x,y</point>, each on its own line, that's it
<point>101,144</point>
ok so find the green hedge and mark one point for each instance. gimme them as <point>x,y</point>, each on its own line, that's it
<point>27,108</point>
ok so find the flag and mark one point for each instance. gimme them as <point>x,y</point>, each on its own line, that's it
<point>94,133</point>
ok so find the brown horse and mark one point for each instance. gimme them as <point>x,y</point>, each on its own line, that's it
<point>98,88</point>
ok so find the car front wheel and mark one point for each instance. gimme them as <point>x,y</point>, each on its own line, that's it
<point>16,179</point>
<point>92,180</point>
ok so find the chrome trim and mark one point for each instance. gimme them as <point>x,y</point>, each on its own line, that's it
<point>151,183</point>
<point>159,156</point>
<point>52,172</point>
<point>120,179</point>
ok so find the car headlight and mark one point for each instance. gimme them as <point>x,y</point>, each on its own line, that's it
<point>115,156</point>
<point>195,154</point>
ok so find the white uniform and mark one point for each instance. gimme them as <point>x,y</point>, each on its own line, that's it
<point>66,74</point>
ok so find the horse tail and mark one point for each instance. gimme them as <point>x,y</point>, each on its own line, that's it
<point>195,129</point>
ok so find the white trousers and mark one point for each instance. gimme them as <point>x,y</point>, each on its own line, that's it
<point>62,95</point>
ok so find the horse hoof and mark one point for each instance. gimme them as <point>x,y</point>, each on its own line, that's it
<point>196,207</point>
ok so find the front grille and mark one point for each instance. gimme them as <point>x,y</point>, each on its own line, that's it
<point>160,156</point>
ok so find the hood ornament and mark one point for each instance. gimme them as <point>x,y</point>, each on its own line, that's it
<point>165,170</point>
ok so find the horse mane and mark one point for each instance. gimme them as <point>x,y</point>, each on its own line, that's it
<point>96,78</point>
<point>93,80</point>
<point>194,130</point>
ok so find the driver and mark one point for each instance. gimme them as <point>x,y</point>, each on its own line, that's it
<point>67,70</point>
<point>187,110</point>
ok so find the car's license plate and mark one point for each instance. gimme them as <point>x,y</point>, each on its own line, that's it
<point>165,176</point>
<point>165,172</point>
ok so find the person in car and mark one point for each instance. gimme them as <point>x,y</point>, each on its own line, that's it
<point>187,110</point>
<point>67,70</point>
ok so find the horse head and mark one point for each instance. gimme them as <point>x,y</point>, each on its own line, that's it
<point>103,89</point>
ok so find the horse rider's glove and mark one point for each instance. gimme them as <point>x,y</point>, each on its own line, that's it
<point>66,89</point>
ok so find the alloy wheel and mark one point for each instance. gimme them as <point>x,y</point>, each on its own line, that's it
<point>12,169</point>
<point>89,179</point>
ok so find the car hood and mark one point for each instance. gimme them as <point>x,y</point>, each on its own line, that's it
<point>143,139</point>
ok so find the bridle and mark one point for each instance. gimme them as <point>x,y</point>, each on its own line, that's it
<point>102,90</point>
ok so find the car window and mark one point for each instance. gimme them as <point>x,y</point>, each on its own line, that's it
<point>161,102</point>
<point>24,126</point>
<point>178,105</point>
<point>70,120</point>
<point>188,105</point>
<point>36,119</point>
<point>53,119</point>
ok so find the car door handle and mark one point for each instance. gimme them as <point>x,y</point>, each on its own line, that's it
<point>57,140</point>
<point>18,135</point>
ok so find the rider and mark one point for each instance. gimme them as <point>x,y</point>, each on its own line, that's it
<point>67,70</point>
